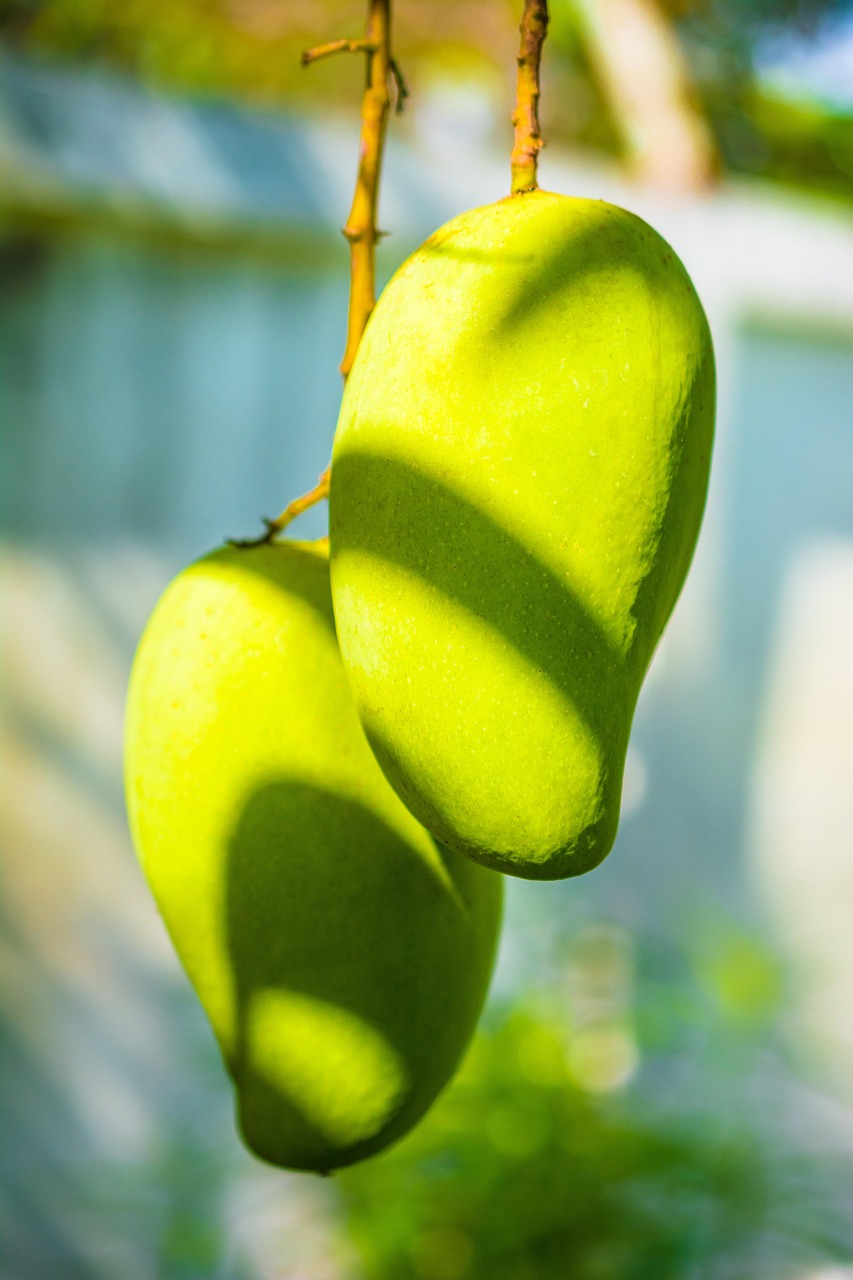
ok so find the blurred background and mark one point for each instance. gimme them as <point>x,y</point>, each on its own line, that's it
<point>661,1087</point>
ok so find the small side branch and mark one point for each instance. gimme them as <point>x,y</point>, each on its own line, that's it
<point>525,118</point>
<point>272,528</point>
<point>333,47</point>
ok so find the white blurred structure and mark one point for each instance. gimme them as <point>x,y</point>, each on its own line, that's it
<point>802,799</point>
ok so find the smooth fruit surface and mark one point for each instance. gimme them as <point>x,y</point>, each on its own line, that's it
<point>518,479</point>
<point>342,957</point>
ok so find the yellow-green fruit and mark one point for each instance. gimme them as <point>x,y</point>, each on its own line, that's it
<point>518,480</point>
<point>341,955</point>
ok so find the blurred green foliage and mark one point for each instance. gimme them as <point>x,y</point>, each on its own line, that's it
<point>523,1172</point>
<point>796,143</point>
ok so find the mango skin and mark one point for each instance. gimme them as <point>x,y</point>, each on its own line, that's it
<point>518,479</point>
<point>342,957</point>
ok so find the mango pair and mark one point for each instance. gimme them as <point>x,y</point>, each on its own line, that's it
<point>518,479</point>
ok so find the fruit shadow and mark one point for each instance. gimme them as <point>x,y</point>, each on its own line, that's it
<point>608,241</point>
<point>608,245</point>
<point>303,578</point>
<point>419,524</point>
<point>325,900</point>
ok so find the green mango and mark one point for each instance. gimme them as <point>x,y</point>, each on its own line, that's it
<point>342,957</point>
<point>518,478</point>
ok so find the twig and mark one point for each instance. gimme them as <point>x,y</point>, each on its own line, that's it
<point>333,47</point>
<point>293,509</point>
<point>360,230</point>
<point>400,84</point>
<point>525,118</point>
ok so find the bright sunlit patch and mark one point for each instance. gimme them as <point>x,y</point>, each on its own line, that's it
<point>817,67</point>
<point>541,1057</point>
<point>833,1273</point>
<point>603,1058</point>
<point>335,1068</point>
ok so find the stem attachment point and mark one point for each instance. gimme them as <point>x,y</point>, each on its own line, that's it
<point>293,509</point>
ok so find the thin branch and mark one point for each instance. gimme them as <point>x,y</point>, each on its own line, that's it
<point>360,229</point>
<point>333,47</point>
<point>528,139</point>
<point>272,528</point>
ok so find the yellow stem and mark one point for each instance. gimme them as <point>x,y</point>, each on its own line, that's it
<point>333,47</point>
<point>528,139</point>
<point>360,229</point>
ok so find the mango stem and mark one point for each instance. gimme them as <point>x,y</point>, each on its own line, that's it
<point>360,228</point>
<point>272,528</point>
<point>528,141</point>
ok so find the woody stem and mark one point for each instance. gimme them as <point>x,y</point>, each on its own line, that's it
<point>528,142</point>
